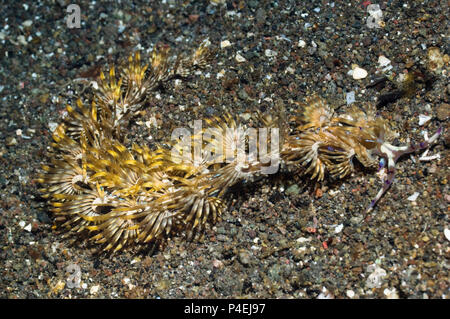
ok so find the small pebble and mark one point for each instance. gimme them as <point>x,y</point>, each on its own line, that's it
<point>313,48</point>
<point>244,257</point>
<point>22,40</point>
<point>270,53</point>
<point>301,43</point>
<point>443,112</point>
<point>290,70</point>
<point>293,189</point>
<point>303,240</point>
<point>27,23</point>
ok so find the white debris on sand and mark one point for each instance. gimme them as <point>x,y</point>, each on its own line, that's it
<point>359,73</point>
<point>239,58</point>
<point>376,277</point>
<point>423,119</point>
<point>350,96</point>
<point>413,197</point>
<point>447,233</point>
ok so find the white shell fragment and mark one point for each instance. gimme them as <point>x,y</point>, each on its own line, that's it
<point>22,40</point>
<point>383,61</point>
<point>270,53</point>
<point>338,228</point>
<point>374,10</point>
<point>225,44</point>
<point>413,197</point>
<point>423,119</point>
<point>447,233</point>
<point>391,293</point>
<point>240,58</point>
<point>52,126</point>
<point>325,294</point>
<point>359,73</point>
<point>303,240</point>
<point>220,74</point>
<point>376,278</point>
<point>301,43</point>
<point>94,289</point>
<point>28,228</point>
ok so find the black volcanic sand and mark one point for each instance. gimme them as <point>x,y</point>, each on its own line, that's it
<point>279,237</point>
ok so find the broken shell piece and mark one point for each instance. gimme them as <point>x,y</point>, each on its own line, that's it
<point>423,119</point>
<point>52,126</point>
<point>220,74</point>
<point>225,44</point>
<point>338,228</point>
<point>358,73</point>
<point>270,53</point>
<point>447,233</point>
<point>413,197</point>
<point>383,61</point>
<point>240,58</point>
<point>391,293</point>
<point>301,44</point>
<point>28,228</point>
